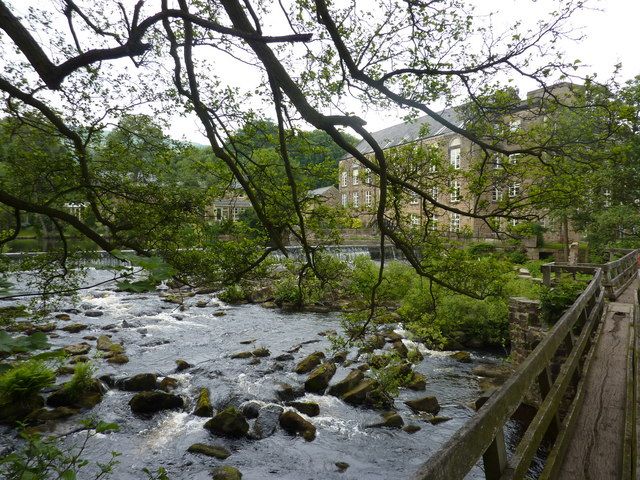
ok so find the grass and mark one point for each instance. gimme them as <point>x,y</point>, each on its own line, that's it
<point>25,380</point>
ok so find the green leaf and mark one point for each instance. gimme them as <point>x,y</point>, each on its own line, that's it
<point>9,344</point>
<point>104,427</point>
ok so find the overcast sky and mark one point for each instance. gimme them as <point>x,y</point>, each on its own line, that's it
<point>610,35</point>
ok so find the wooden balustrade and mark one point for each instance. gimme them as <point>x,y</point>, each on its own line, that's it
<point>567,344</point>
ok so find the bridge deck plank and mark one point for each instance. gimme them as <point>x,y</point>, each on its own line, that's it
<point>595,452</point>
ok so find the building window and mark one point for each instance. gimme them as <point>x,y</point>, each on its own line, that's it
<point>434,193</point>
<point>367,198</point>
<point>356,199</point>
<point>415,219</point>
<point>433,224</point>
<point>344,200</point>
<point>367,177</point>
<point>415,200</point>
<point>433,168</point>
<point>607,197</point>
<point>236,214</point>
<point>454,222</point>
<point>218,214</point>
<point>356,176</point>
<point>514,190</point>
<point>454,153</point>
<point>514,222</point>
<point>497,162</point>
<point>513,158</point>
<point>455,191</point>
<point>345,179</point>
<point>515,125</point>
<point>496,194</point>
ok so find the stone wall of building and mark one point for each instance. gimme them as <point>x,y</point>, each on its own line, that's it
<point>525,328</point>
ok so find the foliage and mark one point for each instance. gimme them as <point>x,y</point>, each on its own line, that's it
<point>556,299</point>
<point>156,271</point>
<point>233,294</point>
<point>25,380</point>
<point>24,343</point>
<point>9,314</point>
<point>81,381</point>
<point>395,373</point>
<point>45,459</point>
<point>479,249</point>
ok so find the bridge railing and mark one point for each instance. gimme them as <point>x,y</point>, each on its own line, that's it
<point>483,436</point>
<point>617,274</point>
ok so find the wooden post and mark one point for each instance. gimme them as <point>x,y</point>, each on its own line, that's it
<point>495,458</point>
<point>545,382</point>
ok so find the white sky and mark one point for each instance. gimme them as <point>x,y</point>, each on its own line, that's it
<point>610,31</point>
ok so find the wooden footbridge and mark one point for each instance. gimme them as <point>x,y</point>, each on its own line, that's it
<point>585,372</point>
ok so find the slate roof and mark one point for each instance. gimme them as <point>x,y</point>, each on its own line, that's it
<point>320,191</point>
<point>411,131</point>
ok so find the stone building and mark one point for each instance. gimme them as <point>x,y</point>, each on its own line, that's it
<point>448,180</point>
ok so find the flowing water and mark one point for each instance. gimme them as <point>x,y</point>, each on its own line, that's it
<point>156,333</point>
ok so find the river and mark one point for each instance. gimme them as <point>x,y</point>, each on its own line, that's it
<point>156,333</point>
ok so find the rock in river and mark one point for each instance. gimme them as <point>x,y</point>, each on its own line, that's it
<point>77,348</point>
<point>311,409</point>
<point>138,383</point>
<point>309,363</point>
<point>294,424</point>
<point>389,420</point>
<point>230,422</point>
<point>348,383</point>
<point>74,327</point>
<point>226,472</point>
<point>215,451</point>
<point>155,401</point>
<point>424,404</point>
<point>464,357</point>
<point>267,421</point>
<point>319,378</point>
<point>203,404</point>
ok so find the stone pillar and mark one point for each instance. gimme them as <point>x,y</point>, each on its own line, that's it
<point>574,253</point>
<point>525,328</point>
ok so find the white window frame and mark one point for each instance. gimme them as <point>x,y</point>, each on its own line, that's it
<point>496,194</point>
<point>356,199</point>
<point>415,199</point>
<point>514,189</point>
<point>454,157</point>
<point>356,175</point>
<point>513,158</point>
<point>434,193</point>
<point>345,200</point>
<point>456,192</point>
<point>497,162</point>
<point>368,198</point>
<point>415,219</point>
<point>367,178</point>
<point>345,178</point>
<point>454,223</point>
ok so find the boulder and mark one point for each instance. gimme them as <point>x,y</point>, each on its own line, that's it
<point>319,378</point>
<point>286,392</point>
<point>45,415</point>
<point>251,408</point>
<point>77,348</point>
<point>167,384</point>
<point>225,472</point>
<point>138,383</point>
<point>246,354</point>
<point>311,409</point>
<point>65,317</point>
<point>368,393</point>
<point>294,424</point>
<point>215,451</point>
<point>309,363</point>
<point>427,404</point>
<point>400,348</point>
<point>284,357</point>
<point>118,359</point>
<point>379,361</point>
<point>74,327</point>
<point>66,396</point>
<point>412,428</point>
<point>12,412</point>
<point>78,359</point>
<point>348,383</point>
<point>340,357</point>
<point>438,420</point>
<point>247,342</point>
<point>203,404</point>
<point>418,382</point>
<point>389,420</point>
<point>89,337</point>
<point>93,313</point>
<point>342,466</point>
<point>267,421</point>
<point>104,343</point>
<point>464,357</point>
<point>230,422</point>
<point>261,352</point>
<point>182,365</point>
<point>154,401</point>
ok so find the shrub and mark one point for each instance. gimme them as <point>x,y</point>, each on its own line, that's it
<point>232,294</point>
<point>81,381</point>
<point>286,290</point>
<point>555,300</point>
<point>394,374</point>
<point>25,380</point>
<point>518,257</point>
<point>480,249</point>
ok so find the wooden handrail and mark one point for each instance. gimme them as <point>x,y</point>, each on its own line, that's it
<point>481,436</point>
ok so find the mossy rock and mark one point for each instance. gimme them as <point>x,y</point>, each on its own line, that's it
<point>215,451</point>
<point>294,424</point>
<point>400,348</point>
<point>230,422</point>
<point>418,382</point>
<point>427,404</point>
<point>342,466</point>
<point>389,420</point>
<point>118,359</point>
<point>12,411</point>
<point>368,393</point>
<point>348,383</point>
<point>77,348</point>
<point>168,384</point>
<point>45,415</point>
<point>287,392</point>
<point>242,355</point>
<point>182,365</point>
<point>412,428</point>
<point>203,404</point>
<point>225,472</point>
<point>319,378</point>
<point>261,352</point>
<point>380,361</point>
<point>309,363</point>
<point>311,409</point>
<point>438,420</point>
<point>66,396</point>
<point>103,343</point>
<point>462,356</point>
<point>74,327</point>
<point>155,401</point>
<point>138,383</point>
